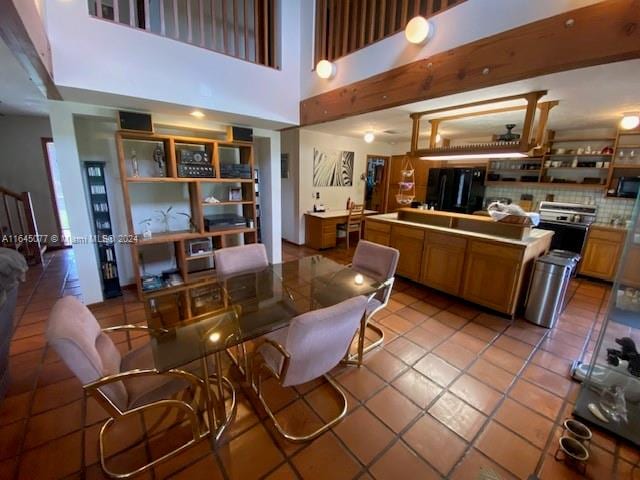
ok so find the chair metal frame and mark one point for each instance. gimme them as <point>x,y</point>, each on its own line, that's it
<point>258,374</point>
<point>93,389</point>
<point>357,358</point>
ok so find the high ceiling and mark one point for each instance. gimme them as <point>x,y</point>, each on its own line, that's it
<point>592,97</point>
<point>18,94</point>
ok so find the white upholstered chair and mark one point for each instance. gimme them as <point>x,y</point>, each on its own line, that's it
<point>122,385</point>
<point>307,349</point>
<point>242,259</point>
<point>378,262</point>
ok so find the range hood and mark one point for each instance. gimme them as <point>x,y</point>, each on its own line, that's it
<point>529,143</point>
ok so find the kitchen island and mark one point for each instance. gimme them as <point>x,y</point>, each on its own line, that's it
<point>472,257</point>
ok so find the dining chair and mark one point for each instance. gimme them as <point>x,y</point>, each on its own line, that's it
<point>354,221</point>
<point>378,262</point>
<point>124,385</point>
<point>307,349</point>
<point>241,259</point>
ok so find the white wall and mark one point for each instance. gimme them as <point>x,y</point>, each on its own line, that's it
<point>333,198</point>
<point>464,23</point>
<point>96,55</point>
<point>290,200</point>
<point>22,165</point>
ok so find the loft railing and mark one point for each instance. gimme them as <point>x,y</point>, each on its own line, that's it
<point>18,229</point>
<point>245,29</point>
<point>344,26</point>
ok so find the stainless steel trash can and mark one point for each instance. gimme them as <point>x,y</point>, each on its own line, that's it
<point>545,300</point>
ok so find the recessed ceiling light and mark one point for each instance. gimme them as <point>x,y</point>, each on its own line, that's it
<point>369,136</point>
<point>630,121</point>
<point>325,69</point>
<point>197,114</point>
<point>418,30</point>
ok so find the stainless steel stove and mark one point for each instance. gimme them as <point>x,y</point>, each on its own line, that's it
<point>569,221</point>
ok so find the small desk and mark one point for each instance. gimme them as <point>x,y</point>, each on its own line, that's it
<point>320,228</point>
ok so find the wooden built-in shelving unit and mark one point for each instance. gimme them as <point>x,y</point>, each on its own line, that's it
<point>224,157</point>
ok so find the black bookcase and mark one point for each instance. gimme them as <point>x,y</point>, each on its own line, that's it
<point>102,228</point>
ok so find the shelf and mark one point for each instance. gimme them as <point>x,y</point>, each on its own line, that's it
<point>624,147</point>
<point>188,235</point>
<point>244,202</point>
<point>573,139</point>
<point>627,167</point>
<point>576,168</point>
<point>578,155</point>
<point>156,179</point>
<point>514,170</point>
<point>577,186</point>
<point>197,257</point>
<point>187,179</point>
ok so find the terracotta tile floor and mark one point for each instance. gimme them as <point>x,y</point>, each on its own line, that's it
<point>454,392</point>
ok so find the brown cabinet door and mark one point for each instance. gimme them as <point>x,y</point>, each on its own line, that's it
<point>491,276</point>
<point>443,262</point>
<point>630,269</point>
<point>600,258</point>
<point>409,242</point>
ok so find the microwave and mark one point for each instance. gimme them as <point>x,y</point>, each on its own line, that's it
<point>628,187</point>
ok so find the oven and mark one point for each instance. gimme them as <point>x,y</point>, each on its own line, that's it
<point>567,236</point>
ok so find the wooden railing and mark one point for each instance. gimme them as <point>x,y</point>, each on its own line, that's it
<point>18,229</point>
<point>343,26</point>
<point>245,29</point>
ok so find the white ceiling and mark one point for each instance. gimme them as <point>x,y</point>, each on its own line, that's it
<point>593,97</point>
<point>18,94</point>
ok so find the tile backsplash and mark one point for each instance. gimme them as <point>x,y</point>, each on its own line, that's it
<point>607,207</point>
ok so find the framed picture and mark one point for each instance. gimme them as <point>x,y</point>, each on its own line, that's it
<point>235,194</point>
<point>284,165</point>
<point>332,168</point>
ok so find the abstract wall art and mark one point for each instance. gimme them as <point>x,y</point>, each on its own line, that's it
<point>332,168</point>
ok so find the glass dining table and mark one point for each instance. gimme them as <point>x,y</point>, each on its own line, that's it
<point>198,322</point>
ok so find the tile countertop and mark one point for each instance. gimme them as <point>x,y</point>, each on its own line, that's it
<point>608,226</point>
<point>336,213</point>
<point>536,233</point>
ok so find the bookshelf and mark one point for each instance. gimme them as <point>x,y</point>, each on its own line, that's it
<point>184,191</point>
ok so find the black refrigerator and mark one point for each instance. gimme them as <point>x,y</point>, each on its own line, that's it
<point>458,190</point>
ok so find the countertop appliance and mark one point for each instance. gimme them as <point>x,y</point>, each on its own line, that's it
<point>628,187</point>
<point>569,221</point>
<point>458,190</point>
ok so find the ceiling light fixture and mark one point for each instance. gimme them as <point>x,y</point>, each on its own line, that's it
<point>369,136</point>
<point>418,30</point>
<point>438,138</point>
<point>325,69</point>
<point>469,156</point>
<point>630,121</point>
<point>197,114</point>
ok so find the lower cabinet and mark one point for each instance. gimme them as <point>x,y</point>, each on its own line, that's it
<point>443,262</point>
<point>377,232</point>
<point>601,253</point>
<point>410,242</point>
<point>492,275</point>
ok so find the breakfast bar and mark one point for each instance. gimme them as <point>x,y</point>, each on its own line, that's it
<point>469,256</point>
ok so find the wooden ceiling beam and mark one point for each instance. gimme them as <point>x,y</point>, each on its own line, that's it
<point>601,33</point>
<point>15,35</point>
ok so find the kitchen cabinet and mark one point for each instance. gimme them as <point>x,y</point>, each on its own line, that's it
<point>377,232</point>
<point>492,275</point>
<point>443,262</point>
<point>410,243</point>
<point>602,252</point>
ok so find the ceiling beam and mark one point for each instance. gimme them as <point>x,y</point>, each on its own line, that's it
<point>597,34</point>
<point>16,36</point>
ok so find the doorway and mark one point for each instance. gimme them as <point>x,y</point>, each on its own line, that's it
<point>57,197</point>
<point>375,192</point>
